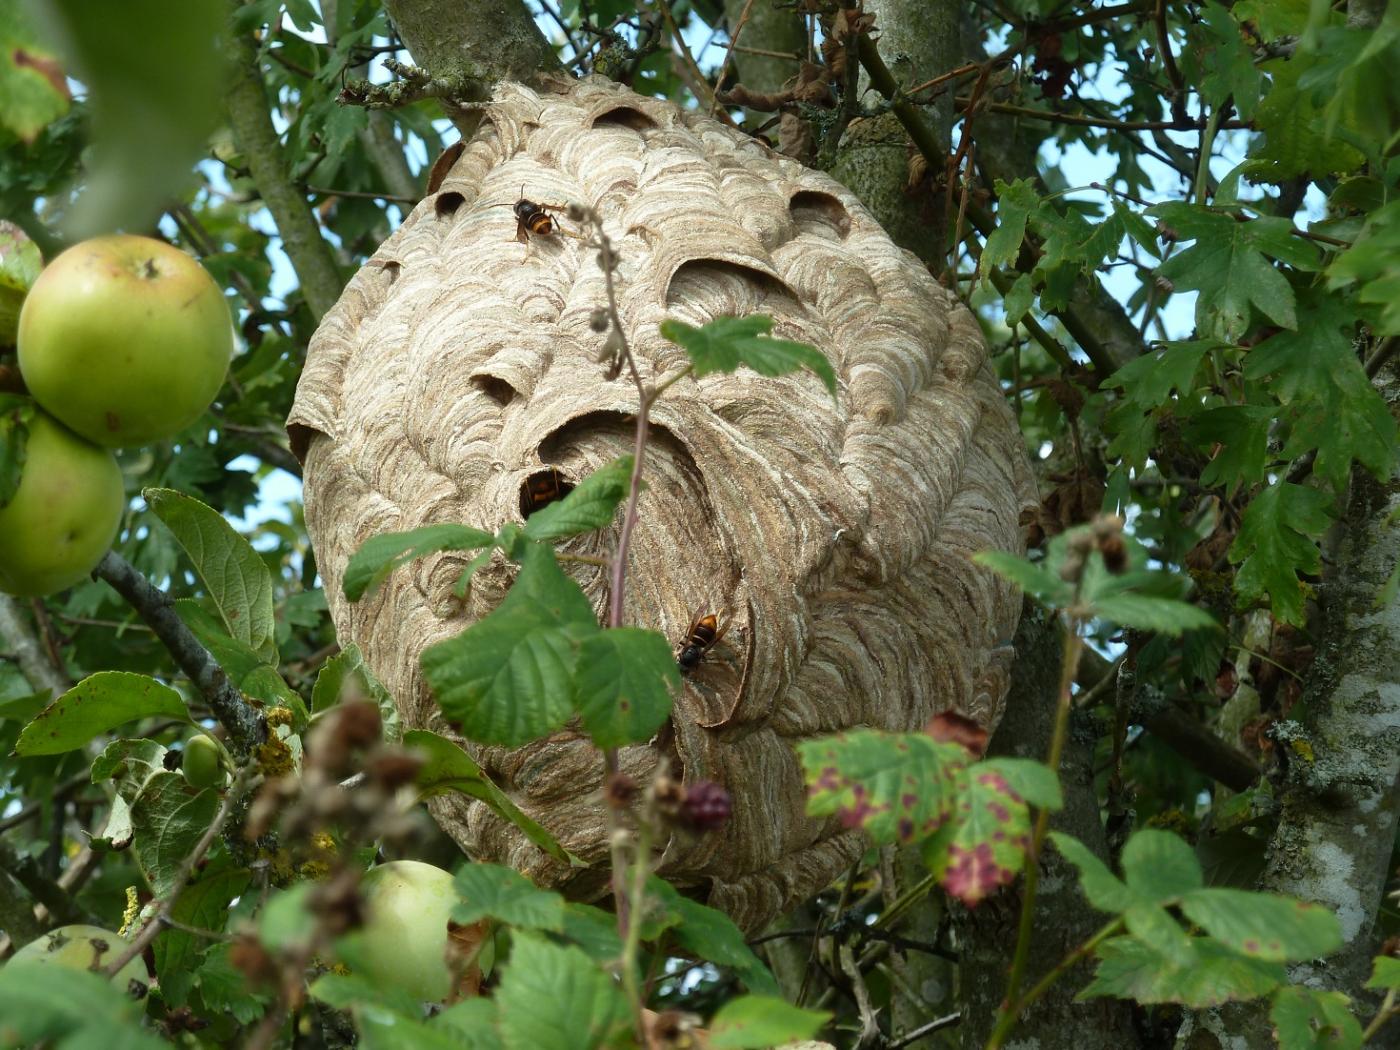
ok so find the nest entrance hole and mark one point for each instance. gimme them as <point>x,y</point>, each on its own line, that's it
<point>542,488</point>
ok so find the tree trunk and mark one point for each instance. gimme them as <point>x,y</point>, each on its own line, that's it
<point>1063,919</point>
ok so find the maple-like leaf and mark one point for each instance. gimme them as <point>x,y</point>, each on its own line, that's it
<point>1229,265</point>
<point>1297,139</point>
<point>1276,542</point>
<point>1333,407</point>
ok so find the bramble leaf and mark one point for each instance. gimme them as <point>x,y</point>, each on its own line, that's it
<point>983,846</point>
<point>728,342</point>
<point>553,997</point>
<point>100,702</point>
<point>712,936</point>
<point>380,555</point>
<point>1210,975</point>
<point>1263,925</point>
<point>625,682</point>
<point>1275,544</point>
<point>1104,890</point>
<point>1385,973</point>
<point>1159,866</point>
<point>1312,1019</point>
<point>760,1021</point>
<point>590,505</point>
<point>495,892</point>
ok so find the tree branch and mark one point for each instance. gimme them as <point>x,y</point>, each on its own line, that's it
<point>29,653</point>
<point>24,869</point>
<point>481,40</point>
<point>245,723</point>
<point>251,120</point>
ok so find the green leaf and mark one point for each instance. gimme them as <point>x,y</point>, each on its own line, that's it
<point>1159,866</point>
<point>95,705</point>
<point>1276,543</point>
<point>245,667</point>
<point>472,1022</point>
<point>1146,612</point>
<point>1335,409</point>
<point>448,768</point>
<point>728,342</point>
<point>898,787</point>
<point>1238,437</point>
<point>1015,203</point>
<point>233,573</point>
<point>1311,1019</point>
<point>594,931</point>
<point>1032,577</point>
<point>760,1021</point>
<point>712,936</point>
<point>590,505</point>
<point>130,764</point>
<point>508,678</point>
<point>1228,264</point>
<point>1149,380</point>
<point>15,414</point>
<point>20,264</point>
<point>984,846</point>
<point>1219,62</point>
<point>491,891</point>
<point>1131,969</point>
<point>204,905</point>
<point>1034,781</point>
<point>1385,973</point>
<point>32,81</point>
<point>1104,890</point>
<point>380,555</point>
<point>345,666</point>
<point>553,997</point>
<point>1264,926</point>
<point>1296,137</point>
<point>41,1002</point>
<point>1372,264</point>
<point>626,678</point>
<point>223,988</point>
<point>169,816</point>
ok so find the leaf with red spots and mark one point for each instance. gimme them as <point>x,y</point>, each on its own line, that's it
<point>1263,925</point>
<point>984,845</point>
<point>897,787</point>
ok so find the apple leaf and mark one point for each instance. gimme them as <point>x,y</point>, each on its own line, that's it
<point>233,573</point>
<point>380,555</point>
<point>1275,543</point>
<point>1312,1019</point>
<point>1209,975</point>
<point>245,668</point>
<point>728,342</point>
<point>32,81</point>
<point>490,891</point>
<point>554,997</point>
<point>99,702</point>
<point>626,677</point>
<point>448,768</point>
<point>203,905</point>
<point>15,414</point>
<point>20,264</point>
<point>590,505</point>
<point>509,678</point>
<point>753,1022</point>
<point>169,816</point>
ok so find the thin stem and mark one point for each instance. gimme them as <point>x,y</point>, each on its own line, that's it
<point>729,52</point>
<point>1080,121</point>
<point>936,1025</point>
<point>1060,969</point>
<point>1202,185</point>
<point>631,942</point>
<point>1386,1012</point>
<point>1006,1021</point>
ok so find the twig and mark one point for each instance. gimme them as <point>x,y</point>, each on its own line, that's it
<point>29,653</point>
<point>1080,121</point>
<point>1383,353</point>
<point>245,724</point>
<point>161,919</point>
<point>61,792</point>
<point>926,1029</point>
<point>869,1026</point>
<point>24,869</point>
<point>1202,184</point>
<point>1057,971</point>
<point>325,191</point>
<point>454,90</point>
<point>1164,48</point>
<point>729,51</point>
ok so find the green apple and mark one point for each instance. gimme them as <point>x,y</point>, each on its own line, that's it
<point>202,763</point>
<point>124,339</point>
<point>64,514</point>
<point>404,941</point>
<point>85,948</point>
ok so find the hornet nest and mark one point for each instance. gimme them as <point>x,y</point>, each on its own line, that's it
<point>835,534</point>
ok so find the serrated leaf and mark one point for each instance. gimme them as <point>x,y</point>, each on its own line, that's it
<point>554,997</point>
<point>236,577</point>
<point>20,264</point>
<point>1275,543</point>
<point>1034,781</point>
<point>1311,1019</point>
<point>1333,407</point>
<point>472,1022</point>
<point>1149,380</point>
<point>1130,969</point>
<point>1237,436</point>
<point>1228,263</point>
<point>590,505</point>
<point>729,342</point>
<point>331,680</point>
<point>760,1021</point>
<point>1152,925</point>
<point>380,555</point>
<point>1372,264</point>
<point>508,678</point>
<point>347,991</point>
<point>626,679</point>
<point>32,80</point>
<point>41,1002</point>
<point>223,987</point>
<point>1385,973</point>
<point>169,816</point>
<point>594,931</point>
<point>1263,925</point>
<point>203,905</point>
<point>448,768</point>
<point>983,846</point>
<point>1159,866</point>
<point>1033,578</point>
<point>490,891</point>
<point>98,703</point>
<point>712,936</point>
<point>898,787</point>
<point>1104,890</point>
<point>1146,612</point>
<point>1217,60</point>
<point>1015,203</point>
<point>1297,140</point>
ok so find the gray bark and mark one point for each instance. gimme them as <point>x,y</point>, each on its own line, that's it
<point>1063,919</point>
<point>27,650</point>
<point>486,40</point>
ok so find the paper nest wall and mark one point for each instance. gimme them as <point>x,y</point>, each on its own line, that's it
<point>836,534</point>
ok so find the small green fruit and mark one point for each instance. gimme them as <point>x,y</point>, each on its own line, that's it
<point>85,948</point>
<point>404,941</point>
<point>124,339</point>
<point>202,763</point>
<point>64,514</point>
